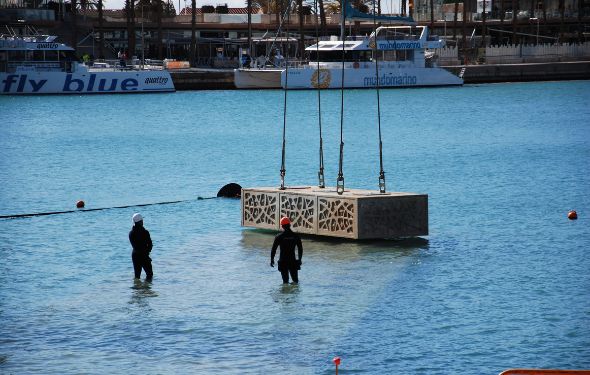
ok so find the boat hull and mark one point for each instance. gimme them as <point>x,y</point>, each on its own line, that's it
<point>257,78</point>
<point>331,78</point>
<point>86,82</point>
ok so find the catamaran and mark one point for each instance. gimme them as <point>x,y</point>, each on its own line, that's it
<point>37,64</point>
<point>403,55</point>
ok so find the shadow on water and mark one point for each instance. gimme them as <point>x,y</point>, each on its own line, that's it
<point>260,239</point>
<point>142,290</point>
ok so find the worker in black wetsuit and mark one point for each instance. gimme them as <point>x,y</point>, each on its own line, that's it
<point>142,245</point>
<point>287,240</point>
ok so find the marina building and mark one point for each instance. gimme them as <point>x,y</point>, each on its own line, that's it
<point>222,32</point>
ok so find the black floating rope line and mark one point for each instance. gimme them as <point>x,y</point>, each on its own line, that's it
<point>321,178</point>
<point>16,216</point>
<point>340,179</point>
<point>375,57</point>
<point>283,170</point>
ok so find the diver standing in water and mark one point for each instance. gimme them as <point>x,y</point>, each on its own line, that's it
<point>142,245</point>
<point>288,264</point>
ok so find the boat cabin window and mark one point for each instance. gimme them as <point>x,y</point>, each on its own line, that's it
<point>18,55</point>
<point>3,64</point>
<point>36,56</point>
<point>398,55</point>
<point>41,55</point>
<point>51,55</point>
<point>336,56</point>
<point>68,56</point>
<point>400,34</point>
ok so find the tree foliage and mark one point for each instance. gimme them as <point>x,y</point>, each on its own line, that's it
<point>152,7</point>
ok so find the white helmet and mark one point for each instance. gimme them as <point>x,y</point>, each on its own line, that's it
<point>137,217</point>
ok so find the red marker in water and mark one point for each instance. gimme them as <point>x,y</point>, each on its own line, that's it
<point>336,361</point>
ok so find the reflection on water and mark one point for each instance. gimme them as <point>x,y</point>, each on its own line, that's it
<point>142,290</point>
<point>286,294</point>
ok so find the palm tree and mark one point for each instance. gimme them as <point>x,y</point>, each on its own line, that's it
<point>86,5</point>
<point>301,34</point>
<point>483,24</point>
<point>455,21</point>
<point>514,21</point>
<point>323,23</point>
<point>561,14</point>
<point>74,26</point>
<point>130,15</point>
<point>318,7</point>
<point>100,30</point>
<point>193,32</point>
<point>431,14</point>
<point>159,8</point>
<point>156,9</point>
<point>333,7</point>
<point>464,30</point>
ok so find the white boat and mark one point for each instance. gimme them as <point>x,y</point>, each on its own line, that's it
<point>258,78</point>
<point>264,71</point>
<point>38,65</point>
<point>402,56</point>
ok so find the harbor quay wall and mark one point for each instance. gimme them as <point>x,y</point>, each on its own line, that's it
<point>203,79</point>
<point>495,73</point>
<point>223,79</point>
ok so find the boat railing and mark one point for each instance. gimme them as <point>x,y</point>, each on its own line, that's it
<point>36,66</point>
<point>397,36</point>
<point>122,65</point>
<point>278,65</point>
<point>359,65</point>
<point>355,38</point>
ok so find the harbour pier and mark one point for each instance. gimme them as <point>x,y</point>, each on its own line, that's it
<point>203,79</point>
<point>223,79</point>
<point>524,72</point>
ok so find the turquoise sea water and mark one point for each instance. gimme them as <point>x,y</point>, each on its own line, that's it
<point>502,281</point>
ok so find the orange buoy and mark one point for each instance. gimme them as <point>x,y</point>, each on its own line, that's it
<point>80,204</point>
<point>572,215</point>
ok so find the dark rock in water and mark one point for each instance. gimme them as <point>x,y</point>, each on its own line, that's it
<point>231,190</point>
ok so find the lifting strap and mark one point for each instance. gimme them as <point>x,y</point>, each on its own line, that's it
<point>321,179</point>
<point>285,101</point>
<point>340,179</point>
<point>375,57</point>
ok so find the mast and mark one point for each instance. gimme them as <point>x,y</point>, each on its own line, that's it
<point>342,19</point>
<point>249,28</point>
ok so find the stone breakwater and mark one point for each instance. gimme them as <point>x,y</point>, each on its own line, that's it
<point>223,79</point>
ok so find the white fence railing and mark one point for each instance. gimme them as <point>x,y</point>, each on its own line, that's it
<point>520,53</point>
<point>525,53</point>
<point>448,56</point>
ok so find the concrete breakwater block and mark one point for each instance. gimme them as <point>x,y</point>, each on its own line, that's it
<point>356,214</point>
